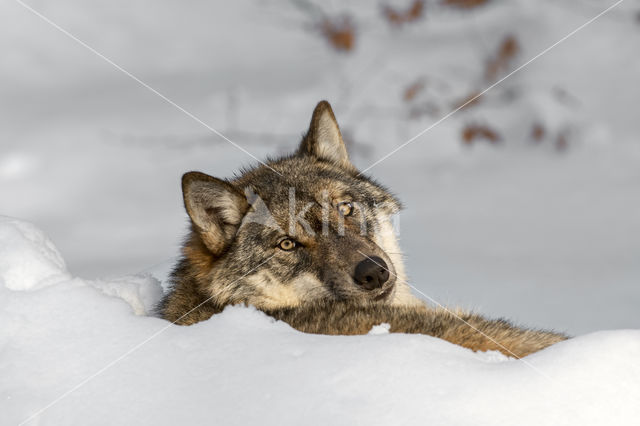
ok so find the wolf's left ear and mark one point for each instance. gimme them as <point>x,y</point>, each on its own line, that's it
<point>216,209</point>
<point>323,140</point>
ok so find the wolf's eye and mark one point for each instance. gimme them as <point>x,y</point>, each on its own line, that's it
<point>345,208</point>
<point>287,244</point>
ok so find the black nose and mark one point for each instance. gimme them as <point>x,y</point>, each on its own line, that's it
<point>371,273</point>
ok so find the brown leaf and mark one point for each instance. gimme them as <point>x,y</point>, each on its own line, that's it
<point>538,132</point>
<point>472,132</point>
<point>340,32</point>
<point>471,99</point>
<point>413,90</point>
<point>413,13</point>
<point>507,50</point>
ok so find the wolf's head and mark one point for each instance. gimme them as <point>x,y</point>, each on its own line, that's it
<point>300,228</point>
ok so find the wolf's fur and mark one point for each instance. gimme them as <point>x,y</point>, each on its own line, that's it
<point>232,254</point>
<point>462,328</point>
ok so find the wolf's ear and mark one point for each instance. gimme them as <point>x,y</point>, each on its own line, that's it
<point>323,140</point>
<point>216,208</point>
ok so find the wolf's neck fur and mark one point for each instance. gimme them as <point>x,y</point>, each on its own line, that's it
<point>387,239</point>
<point>189,299</point>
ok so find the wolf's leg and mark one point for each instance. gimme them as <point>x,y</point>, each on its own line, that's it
<point>464,329</point>
<point>185,309</point>
<point>481,334</point>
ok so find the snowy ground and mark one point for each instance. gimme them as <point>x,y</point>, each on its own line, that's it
<point>74,352</point>
<point>548,237</point>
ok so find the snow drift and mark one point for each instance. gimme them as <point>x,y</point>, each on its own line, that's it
<point>75,352</point>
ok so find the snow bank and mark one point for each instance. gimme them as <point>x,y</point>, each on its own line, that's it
<point>74,352</point>
<point>28,259</point>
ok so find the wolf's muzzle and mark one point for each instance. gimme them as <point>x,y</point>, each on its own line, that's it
<point>371,273</point>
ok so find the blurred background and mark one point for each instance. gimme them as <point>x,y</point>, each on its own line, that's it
<point>524,203</point>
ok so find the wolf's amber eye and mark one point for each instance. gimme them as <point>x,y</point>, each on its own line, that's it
<point>345,208</point>
<point>287,244</point>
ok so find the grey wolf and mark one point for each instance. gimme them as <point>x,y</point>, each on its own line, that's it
<point>309,240</point>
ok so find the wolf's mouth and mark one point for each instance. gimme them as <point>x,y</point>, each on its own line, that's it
<point>385,294</point>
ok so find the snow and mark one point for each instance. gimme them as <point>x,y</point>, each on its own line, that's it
<point>28,259</point>
<point>520,229</point>
<point>75,351</point>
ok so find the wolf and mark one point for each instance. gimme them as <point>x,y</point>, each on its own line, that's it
<point>309,240</point>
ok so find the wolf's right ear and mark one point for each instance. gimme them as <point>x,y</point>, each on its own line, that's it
<point>324,140</point>
<point>216,208</point>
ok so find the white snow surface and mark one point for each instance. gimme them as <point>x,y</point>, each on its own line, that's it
<point>74,352</point>
<point>28,259</point>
